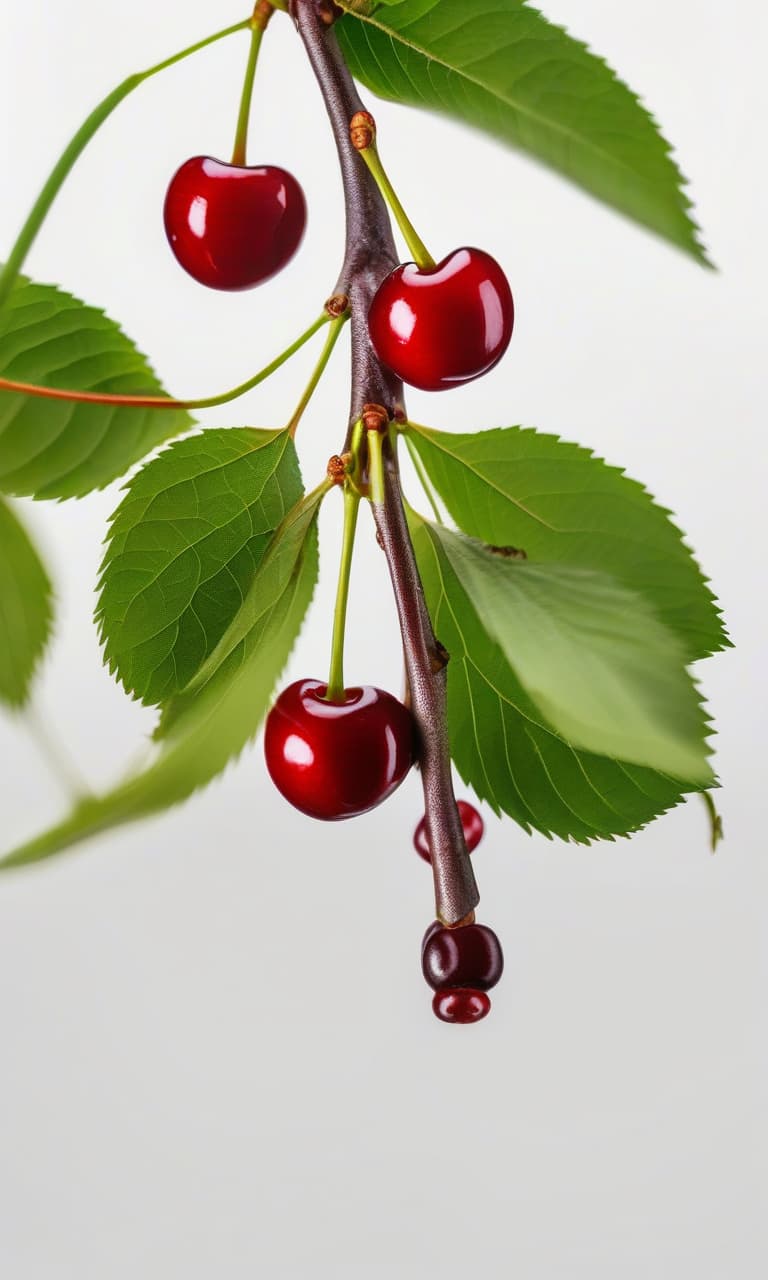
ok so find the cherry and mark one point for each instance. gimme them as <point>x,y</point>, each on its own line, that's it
<point>472,825</point>
<point>469,956</point>
<point>336,759</point>
<point>232,226</point>
<point>437,327</point>
<point>460,1004</point>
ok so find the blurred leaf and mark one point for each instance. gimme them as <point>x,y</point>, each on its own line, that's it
<point>558,502</point>
<point>25,609</point>
<point>505,69</point>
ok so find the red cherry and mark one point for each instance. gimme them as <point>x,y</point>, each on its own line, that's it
<point>469,956</point>
<point>230,226</point>
<point>436,327</point>
<point>337,759</point>
<point>460,1004</point>
<point>472,825</point>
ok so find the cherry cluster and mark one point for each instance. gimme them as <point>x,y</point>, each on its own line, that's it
<point>336,752</point>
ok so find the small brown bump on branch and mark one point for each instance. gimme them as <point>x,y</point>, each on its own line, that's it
<point>375,417</point>
<point>337,467</point>
<point>328,12</point>
<point>337,305</point>
<point>440,658</point>
<point>362,130</point>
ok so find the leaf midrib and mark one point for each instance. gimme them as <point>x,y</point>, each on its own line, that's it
<point>526,112</point>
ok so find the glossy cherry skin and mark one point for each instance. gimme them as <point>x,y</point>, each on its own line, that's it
<point>232,227</point>
<point>337,759</point>
<point>469,956</point>
<point>460,1004</point>
<point>472,825</point>
<point>438,327</point>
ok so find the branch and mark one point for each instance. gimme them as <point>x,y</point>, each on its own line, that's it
<point>370,255</point>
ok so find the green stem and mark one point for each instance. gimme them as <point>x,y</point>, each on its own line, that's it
<point>241,134</point>
<point>335,691</point>
<point>715,821</point>
<point>77,145</point>
<point>419,251</point>
<point>56,755</point>
<point>166,402</point>
<point>376,467</point>
<point>421,472</point>
<point>336,327</point>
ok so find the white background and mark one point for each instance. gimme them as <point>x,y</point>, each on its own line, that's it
<point>218,1057</point>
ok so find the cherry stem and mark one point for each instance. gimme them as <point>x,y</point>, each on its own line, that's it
<point>261,15</point>
<point>335,329</point>
<point>335,690</point>
<point>77,145</point>
<point>416,246</point>
<point>166,402</point>
<point>370,255</point>
<point>376,466</point>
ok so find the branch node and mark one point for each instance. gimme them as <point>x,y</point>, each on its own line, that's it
<point>375,417</point>
<point>336,469</point>
<point>337,305</point>
<point>362,130</point>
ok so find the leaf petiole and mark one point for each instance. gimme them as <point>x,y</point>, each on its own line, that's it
<point>167,402</point>
<point>336,326</point>
<point>77,145</point>
<point>421,472</point>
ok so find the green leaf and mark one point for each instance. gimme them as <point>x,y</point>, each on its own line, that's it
<point>212,727</point>
<point>61,449</point>
<point>25,609</point>
<point>592,656</point>
<point>183,547</point>
<point>498,741</point>
<point>558,502</point>
<point>502,67</point>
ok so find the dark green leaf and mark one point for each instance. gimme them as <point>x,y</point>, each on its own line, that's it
<point>502,67</point>
<point>60,449</point>
<point>602,670</point>
<point>560,503</point>
<point>25,608</point>
<point>499,744</point>
<point>211,728</point>
<point>183,548</point>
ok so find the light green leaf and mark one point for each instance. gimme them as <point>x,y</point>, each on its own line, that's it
<point>558,502</point>
<point>211,728</point>
<point>499,743</point>
<point>25,609</point>
<point>502,67</point>
<point>592,656</point>
<point>183,548</point>
<point>61,449</point>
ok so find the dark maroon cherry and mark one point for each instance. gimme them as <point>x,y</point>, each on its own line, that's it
<point>460,1004</point>
<point>337,759</point>
<point>230,226</point>
<point>469,956</point>
<point>436,327</point>
<point>472,825</point>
